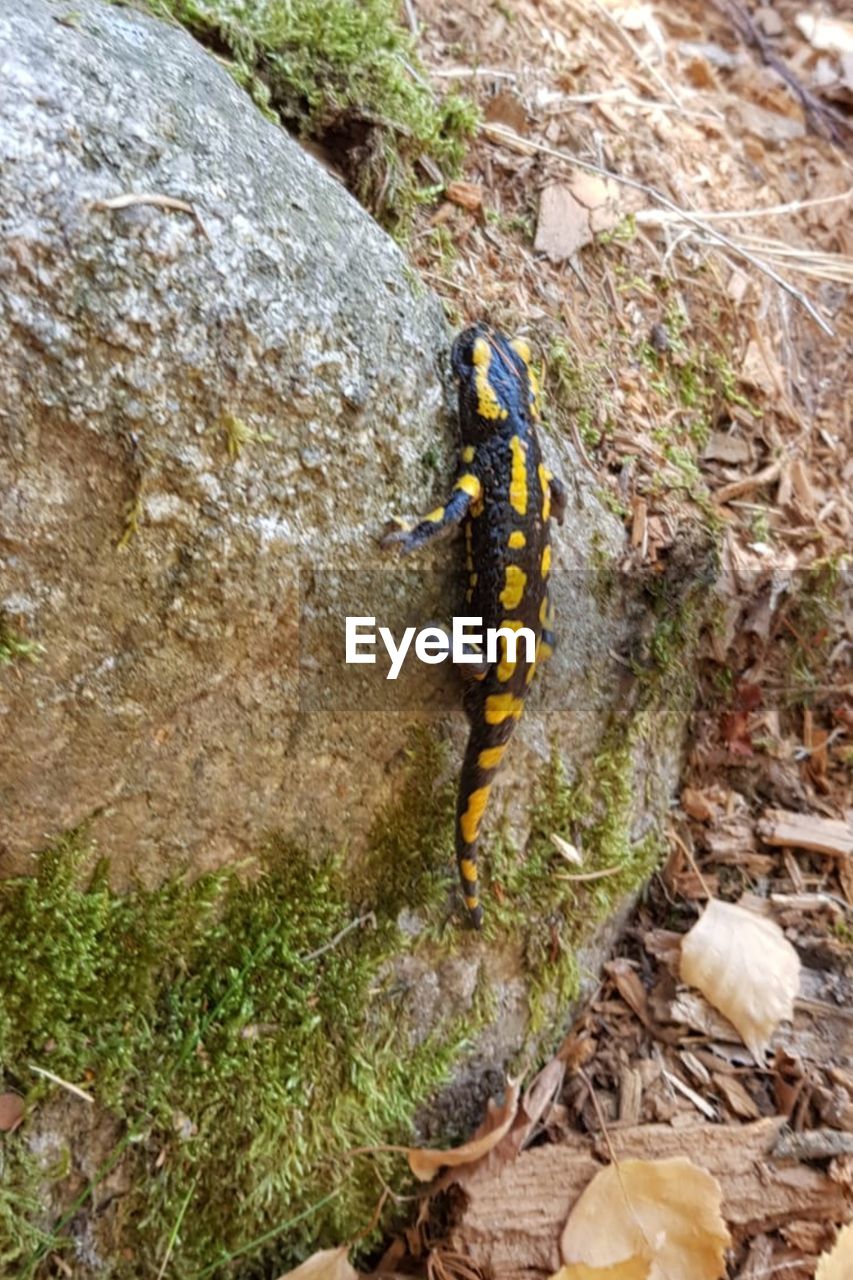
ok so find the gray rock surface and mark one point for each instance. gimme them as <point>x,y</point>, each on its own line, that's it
<point>163,578</point>
<point>189,600</point>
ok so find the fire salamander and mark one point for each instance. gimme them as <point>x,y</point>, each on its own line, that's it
<point>505,496</point>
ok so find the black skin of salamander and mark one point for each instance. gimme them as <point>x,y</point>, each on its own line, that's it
<point>495,378</point>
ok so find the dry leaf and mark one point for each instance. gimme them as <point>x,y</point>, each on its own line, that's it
<point>424,1162</point>
<point>665,1213</point>
<point>832,35</point>
<point>11,1111</point>
<point>633,1269</point>
<point>838,1263</point>
<point>328,1264</point>
<point>745,966</point>
<point>564,223</point>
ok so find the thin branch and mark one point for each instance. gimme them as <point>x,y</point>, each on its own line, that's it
<point>63,1084</point>
<point>342,933</point>
<point>508,137</point>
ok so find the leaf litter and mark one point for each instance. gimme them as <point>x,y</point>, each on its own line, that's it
<point>635,202</point>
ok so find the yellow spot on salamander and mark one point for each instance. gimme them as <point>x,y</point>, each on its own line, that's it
<point>491,757</point>
<point>488,405</point>
<point>469,823</point>
<point>543,612</point>
<point>469,484</point>
<point>472,903</point>
<point>517,539</point>
<point>468,453</point>
<point>512,593</point>
<point>521,348</point>
<point>545,482</point>
<point>535,393</point>
<point>502,706</point>
<point>546,562</point>
<point>505,670</point>
<point>468,870</point>
<point>435,517</point>
<point>518,476</point>
<point>545,650</point>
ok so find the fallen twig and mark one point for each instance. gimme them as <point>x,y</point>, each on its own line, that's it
<point>508,137</point>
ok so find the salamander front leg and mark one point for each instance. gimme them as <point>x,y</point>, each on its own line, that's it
<point>467,490</point>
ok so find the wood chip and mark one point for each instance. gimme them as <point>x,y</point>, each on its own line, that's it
<point>468,195</point>
<point>780,827</point>
<point>736,1097</point>
<point>536,1192</point>
<point>723,447</point>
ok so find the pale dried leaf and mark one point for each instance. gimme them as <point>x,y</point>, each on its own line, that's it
<point>837,1264</point>
<point>566,850</point>
<point>600,196</point>
<point>425,1163</point>
<point>832,35</point>
<point>328,1264</point>
<point>564,224</point>
<point>663,1212</point>
<point>745,967</point>
<point>632,1269</point>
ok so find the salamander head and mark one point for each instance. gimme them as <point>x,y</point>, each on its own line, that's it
<point>496,380</point>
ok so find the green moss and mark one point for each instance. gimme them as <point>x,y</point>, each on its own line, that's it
<point>243,1037</point>
<point>14,648</point>
<point>347,76</point>
<point>238,1030</point>
<point>810,624</point>
<point>578,391</point>
<point>410,849</point>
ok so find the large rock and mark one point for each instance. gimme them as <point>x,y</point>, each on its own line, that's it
<point>159,574</point>
<point>207,417</point>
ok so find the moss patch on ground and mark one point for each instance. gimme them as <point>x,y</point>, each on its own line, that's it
<point>243,1042</point>
<point>346,76</point>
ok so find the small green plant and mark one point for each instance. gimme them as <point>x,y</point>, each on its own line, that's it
<point>238,435</point>
<point>577,389</point>
<point>14,647</point>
